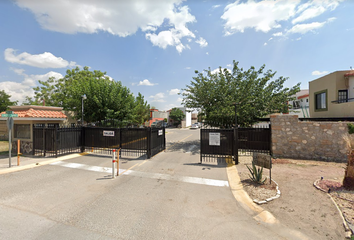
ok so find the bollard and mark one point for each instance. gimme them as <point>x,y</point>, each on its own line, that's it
<point>113,162</point>
<point>118,162</point>
<point>18,153</point>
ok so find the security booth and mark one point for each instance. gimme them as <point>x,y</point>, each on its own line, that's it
<point>27,117</point>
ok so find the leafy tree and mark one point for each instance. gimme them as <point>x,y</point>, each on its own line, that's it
<point>5,101</point>
<point>141,112</point>
<point>253,91</point>
<point>177,115</point>
<point>105,98</point>
<point>47,93</point>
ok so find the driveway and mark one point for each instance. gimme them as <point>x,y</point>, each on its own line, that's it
<point>169,196</point>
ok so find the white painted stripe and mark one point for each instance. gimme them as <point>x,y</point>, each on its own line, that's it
<point>83,167</point>
<point>195,180</point>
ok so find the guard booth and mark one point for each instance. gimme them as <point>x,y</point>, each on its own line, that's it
<point>25,117</point>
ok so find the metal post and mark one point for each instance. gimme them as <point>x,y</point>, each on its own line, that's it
<point>10,143</point>
<point>83,97</point>
<point>236,136</point>
<point>118,162</point>
<point>18,152</point>
<point>113,162</point>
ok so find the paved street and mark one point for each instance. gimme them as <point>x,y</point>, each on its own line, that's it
<point>169,196</point>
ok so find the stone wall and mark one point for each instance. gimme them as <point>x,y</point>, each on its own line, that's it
<point>296,139</point>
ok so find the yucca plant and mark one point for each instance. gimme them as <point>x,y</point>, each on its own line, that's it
<point>256,174</point>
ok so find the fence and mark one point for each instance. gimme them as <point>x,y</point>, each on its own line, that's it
<point>132,141</point>
<point>221,145</point>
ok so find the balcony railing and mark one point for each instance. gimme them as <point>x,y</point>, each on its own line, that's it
<point>343,100</point>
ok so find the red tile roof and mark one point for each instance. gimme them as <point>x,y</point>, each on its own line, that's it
<point>349,74</point>
<point>35,113</point>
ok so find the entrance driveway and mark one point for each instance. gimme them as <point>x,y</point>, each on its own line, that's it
<point>169,196</point>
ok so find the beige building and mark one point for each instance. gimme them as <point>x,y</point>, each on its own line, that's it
<point>332,95</point>
<point>29,115</point>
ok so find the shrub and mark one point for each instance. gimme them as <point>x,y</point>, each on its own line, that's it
<point>256,174</point>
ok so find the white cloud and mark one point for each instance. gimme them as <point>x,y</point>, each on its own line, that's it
<point>313,9</point>
<point>216,6</point>
<point>207,53</point>
<point>159,97</point>
<point>44,60</point>
<point>229,65</point>
<point>188,67</point>
<point>278,34</point>
<point>217,70</point>
<point>202,42</point>
<point>262,16</point>
<point>317,73</point>
<point>121,18</point>
<point>265,44</point>
<point>269,14</point>
<point>146,82</point>
<point>306,27</point>
<point>179,100</point>
<point>174,91</point>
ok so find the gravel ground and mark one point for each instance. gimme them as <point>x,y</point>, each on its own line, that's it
<point>301,206</point>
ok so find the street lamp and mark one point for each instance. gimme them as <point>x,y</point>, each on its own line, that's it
<point>236,135</point>
<point>83,97</point>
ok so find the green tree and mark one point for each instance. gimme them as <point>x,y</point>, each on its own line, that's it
<point>177,115</point>
<point>253,91</point>
<point>141,112</point>
<point>5,101</point>
<point>105,98</point>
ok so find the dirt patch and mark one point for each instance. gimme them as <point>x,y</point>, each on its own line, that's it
<point>301,206</point>
<point>343,198</point>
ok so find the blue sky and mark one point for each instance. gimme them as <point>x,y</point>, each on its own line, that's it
<point>154,46</point>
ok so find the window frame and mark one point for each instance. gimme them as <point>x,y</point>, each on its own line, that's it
<point>326,101</point>
<point>346,95</point>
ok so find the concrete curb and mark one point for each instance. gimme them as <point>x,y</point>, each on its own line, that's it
<point>259,202</point>
<point>40,163</point>
<point>244,200</point>
<point>348,230</point>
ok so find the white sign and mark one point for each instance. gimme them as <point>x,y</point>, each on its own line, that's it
<point>214,139</point>
<point>160,132</point>
<point>108,133</point>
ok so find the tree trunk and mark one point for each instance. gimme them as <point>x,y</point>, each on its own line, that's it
<point>348,181</point>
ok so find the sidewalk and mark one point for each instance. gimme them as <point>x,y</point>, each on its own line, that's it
<point>27,162</point>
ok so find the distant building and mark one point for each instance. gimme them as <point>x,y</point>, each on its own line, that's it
<point>332,95</point>
<point>300,106</point>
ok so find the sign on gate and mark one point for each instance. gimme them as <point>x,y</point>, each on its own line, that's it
<point>160,132</point>
<point>108,133</point>
<point>214,139</point>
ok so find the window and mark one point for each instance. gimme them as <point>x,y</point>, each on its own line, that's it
<point>342,96</point>
<point>22,131</point>
<point>307,100</point>
<point>321,101</point>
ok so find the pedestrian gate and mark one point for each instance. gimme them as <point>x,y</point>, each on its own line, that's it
<point>224,145</point>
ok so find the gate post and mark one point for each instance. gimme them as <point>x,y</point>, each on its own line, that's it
<point>148,139</point>
<point>236,145</point>
<point>82,139</point>
<point>56,141</point>
<point>201,146</point>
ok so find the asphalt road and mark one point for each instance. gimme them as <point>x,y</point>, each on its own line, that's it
<point>169,196</point>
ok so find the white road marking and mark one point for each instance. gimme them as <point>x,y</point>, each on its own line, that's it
<point>195,180</point>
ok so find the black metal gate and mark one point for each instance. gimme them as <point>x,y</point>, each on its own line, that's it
<point>224,145</point>
<point>131,141</point>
